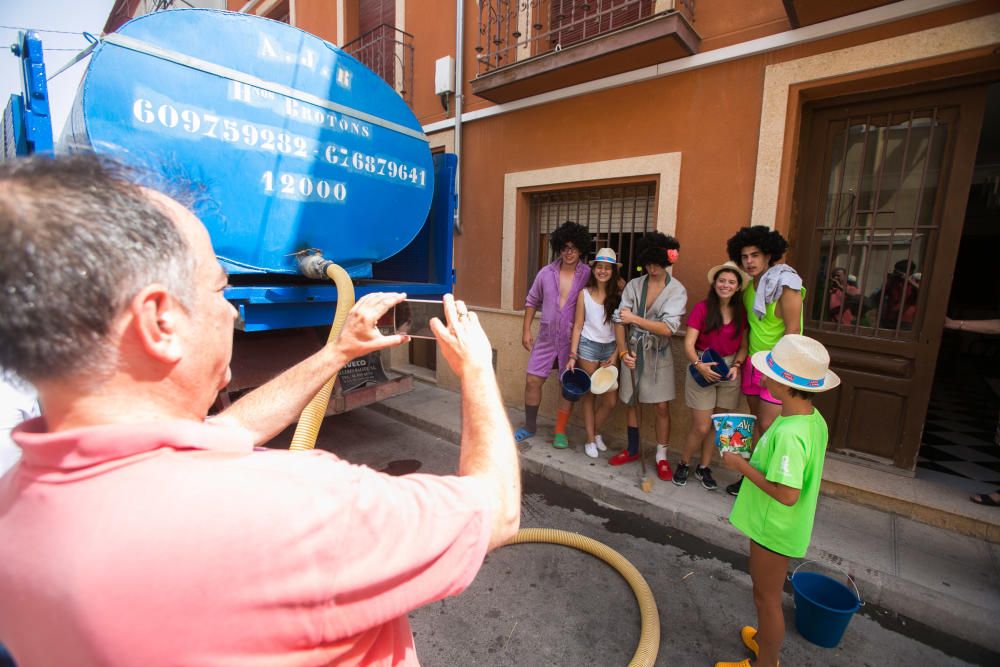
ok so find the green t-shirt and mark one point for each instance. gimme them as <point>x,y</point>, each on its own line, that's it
<point>791,452</point>
<point>768,330</point>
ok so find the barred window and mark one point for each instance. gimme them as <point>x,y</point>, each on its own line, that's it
<point>617,216</point>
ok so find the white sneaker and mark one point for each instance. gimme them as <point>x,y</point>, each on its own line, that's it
<point>599,441</point>
<point>591,449</point>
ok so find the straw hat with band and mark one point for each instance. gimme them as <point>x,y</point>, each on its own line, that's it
<point>799,362</point>
<point>606,255</point>
<point>729,266</point>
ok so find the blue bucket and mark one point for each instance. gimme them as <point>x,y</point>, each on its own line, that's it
<point>575,383</point>
<point>823,606</point>
<point>720,367</point>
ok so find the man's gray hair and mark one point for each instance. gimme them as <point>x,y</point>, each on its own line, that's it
<point>79,238</point>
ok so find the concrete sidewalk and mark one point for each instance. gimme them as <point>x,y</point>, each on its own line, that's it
<point>947,581</point>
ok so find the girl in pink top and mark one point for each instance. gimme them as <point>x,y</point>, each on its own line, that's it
<point>718,323</point>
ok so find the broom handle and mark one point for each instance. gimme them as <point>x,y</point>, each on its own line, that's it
<point>633,350</point>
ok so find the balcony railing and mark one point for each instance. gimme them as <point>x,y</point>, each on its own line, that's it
<point>511,31</point>
<point>387,51</point>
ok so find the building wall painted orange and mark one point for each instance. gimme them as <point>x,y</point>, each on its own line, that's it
<point>318,17</point>
<point>433,33</point>
<point>710,115</point>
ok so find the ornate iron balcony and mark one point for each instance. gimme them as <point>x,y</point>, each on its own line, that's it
<point>387,51</point>
<point>511,31</point>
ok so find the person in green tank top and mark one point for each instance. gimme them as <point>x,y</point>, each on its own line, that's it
<point>773,302</point>
<point>776,505</point>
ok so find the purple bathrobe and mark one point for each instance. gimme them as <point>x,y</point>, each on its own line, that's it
<point>556,327</point>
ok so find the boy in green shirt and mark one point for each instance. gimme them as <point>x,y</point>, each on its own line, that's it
<point>777,507</point>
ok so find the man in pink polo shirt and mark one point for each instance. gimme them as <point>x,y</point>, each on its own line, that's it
<point>135,531</point>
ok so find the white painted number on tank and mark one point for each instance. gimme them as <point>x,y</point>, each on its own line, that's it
<point>302,187</point>
<point>250,135</point>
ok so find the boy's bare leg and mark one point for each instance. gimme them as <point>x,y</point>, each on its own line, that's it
<point>768,570</point>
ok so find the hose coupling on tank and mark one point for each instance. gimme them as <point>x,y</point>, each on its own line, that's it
<point>312,264</point>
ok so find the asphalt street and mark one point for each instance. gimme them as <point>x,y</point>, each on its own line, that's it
<point>537,604</point>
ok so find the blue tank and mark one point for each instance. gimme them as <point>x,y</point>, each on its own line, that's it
<point>295,144</point>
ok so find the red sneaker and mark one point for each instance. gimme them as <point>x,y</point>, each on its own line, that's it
<point>663,471</point>
<point>623,457</point>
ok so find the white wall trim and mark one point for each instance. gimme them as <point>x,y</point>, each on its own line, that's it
<point>665,165</point>
<point>340,22</point>
<point>851,23</point>
<point>779,78</point>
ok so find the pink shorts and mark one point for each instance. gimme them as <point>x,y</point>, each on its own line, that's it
<point>753,383</point>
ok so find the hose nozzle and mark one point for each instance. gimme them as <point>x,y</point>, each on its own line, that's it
<point>312,264</point>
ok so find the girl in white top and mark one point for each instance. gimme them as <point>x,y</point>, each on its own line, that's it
<point>593,342</point>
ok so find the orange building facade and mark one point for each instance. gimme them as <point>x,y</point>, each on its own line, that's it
<point>861,130</point>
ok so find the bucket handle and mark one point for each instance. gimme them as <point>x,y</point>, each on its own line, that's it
<point>857,593</point>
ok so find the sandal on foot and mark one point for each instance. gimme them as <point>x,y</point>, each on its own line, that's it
<point>560,441</point>
<point>522,434</point>
<point>747,634</point>
<point>745,662</point>
<point>984,499</point>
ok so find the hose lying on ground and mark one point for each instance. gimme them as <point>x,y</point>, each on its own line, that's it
<point>649,633</point>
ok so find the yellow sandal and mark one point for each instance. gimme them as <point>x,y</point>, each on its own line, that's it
<point>747,634</point>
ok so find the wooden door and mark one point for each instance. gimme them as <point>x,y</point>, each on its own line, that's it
<point>377,42</point>
<point>884,188</point>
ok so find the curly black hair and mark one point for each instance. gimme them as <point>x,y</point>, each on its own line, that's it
<point>571,232</point>
<point>768,240</point>
<point>652,249</point>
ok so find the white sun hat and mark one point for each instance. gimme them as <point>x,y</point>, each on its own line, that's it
<point>606,255</point>
<point>604,379</point>
<point>729,266</point>
<point>799,362</point>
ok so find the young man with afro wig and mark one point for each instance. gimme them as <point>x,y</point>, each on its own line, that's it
<point>554,292</point>
<point>651,311</point>
<point>773,300</point>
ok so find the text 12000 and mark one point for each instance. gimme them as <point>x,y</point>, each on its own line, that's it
<point>303,187</point>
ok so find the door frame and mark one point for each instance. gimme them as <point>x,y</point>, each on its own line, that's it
<point>969,94</point>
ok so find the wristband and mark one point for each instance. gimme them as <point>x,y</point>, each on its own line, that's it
<point>572,355</point>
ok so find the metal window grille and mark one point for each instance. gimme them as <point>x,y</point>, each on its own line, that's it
<point>879,223</point>
<point>617,216</point>
<point>387,51</point>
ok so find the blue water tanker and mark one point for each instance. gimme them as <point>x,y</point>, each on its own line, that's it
<point>294,144</point>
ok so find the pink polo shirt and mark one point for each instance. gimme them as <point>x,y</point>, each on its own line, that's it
<point>178,543</point>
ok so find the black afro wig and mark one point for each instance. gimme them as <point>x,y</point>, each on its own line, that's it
<point>768,240</point>
<point>570,232</point>
<point>652,249</point>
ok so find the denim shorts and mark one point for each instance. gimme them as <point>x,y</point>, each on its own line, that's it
<point>588,350</point>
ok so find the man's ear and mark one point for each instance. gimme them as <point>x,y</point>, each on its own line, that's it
<point>156,316</point>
